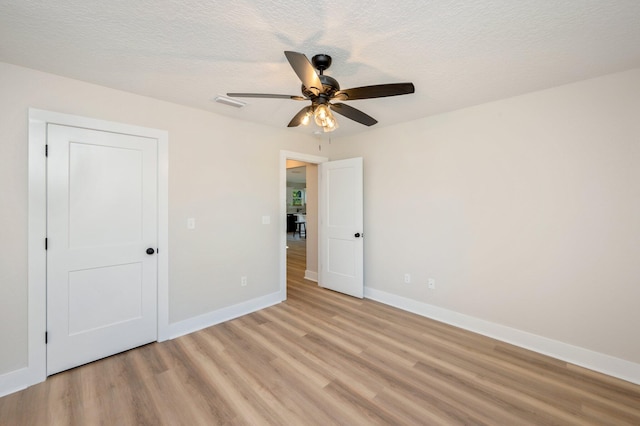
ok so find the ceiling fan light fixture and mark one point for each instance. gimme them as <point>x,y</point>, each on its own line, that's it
<point>324,118</point>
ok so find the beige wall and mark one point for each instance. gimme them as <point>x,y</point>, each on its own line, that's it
<point>205,265</point>
<point>526,211</point>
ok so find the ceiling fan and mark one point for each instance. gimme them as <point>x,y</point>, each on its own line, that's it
<point>322,89</point>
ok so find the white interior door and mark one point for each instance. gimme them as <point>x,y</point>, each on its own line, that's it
<point>341,227</point>
<point>102,217</point>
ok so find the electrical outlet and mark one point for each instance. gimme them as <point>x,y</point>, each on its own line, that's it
<point>243,281</point>
<point>407,278</point>
<point>431,283</point>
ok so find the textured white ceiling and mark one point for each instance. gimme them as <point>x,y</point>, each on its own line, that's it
<point>457,53</point>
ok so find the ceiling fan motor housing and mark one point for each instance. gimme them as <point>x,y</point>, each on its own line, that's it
<point>330,85</point>
<point>321,62</point>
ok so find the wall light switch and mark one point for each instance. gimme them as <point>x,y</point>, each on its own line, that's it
<point>266,220</point>
<point>191,223</point>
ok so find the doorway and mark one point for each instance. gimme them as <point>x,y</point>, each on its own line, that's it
<point>306,240</point>
<point>302,215</point>
<point>340,234</point>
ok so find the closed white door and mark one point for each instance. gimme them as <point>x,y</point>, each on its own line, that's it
<point>341,227</point>
<point>102,217</point>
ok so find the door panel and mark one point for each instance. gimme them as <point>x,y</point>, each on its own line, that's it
<point>94,292</point>
<point>94,186</point>
<point>341,219</point>
<point>102,216</point>
<point>341,257</point>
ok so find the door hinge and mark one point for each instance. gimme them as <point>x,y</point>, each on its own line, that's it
<point>46,337</point>
<point>46,243</point>
<point>46,150</point>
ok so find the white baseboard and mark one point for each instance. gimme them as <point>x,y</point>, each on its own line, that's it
<point>221,315</point>
<point>16,380</point>
<point>606,364</point>
<point>311,275</point>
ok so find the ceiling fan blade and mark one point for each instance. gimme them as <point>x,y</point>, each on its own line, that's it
<point>377,91</point>
<point>354,114</point>
<point>266,95</point>
<point>305,71</point>
<point>297,119</point>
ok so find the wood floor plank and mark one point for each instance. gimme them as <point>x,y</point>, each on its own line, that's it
<point>323,358</point>
<point>284,355</point>
<point>245,406</point>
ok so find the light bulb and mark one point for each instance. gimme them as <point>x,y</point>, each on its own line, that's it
<point>320,114</point>
<point>330,124</point>
<point>306,118</point>
<point>324,118</point>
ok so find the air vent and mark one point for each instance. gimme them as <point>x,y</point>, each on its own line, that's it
<point>229,101</point>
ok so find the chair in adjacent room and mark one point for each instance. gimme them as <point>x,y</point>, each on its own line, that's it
<point>301,226</point>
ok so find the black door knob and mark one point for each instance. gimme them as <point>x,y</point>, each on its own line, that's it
<point>150,250</point>
<point>357,235</point>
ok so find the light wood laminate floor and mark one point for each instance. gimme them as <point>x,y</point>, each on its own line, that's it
<point>322,358</point>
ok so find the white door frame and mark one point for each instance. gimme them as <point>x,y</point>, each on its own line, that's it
<point>37,223</point>
<point>284,156</point>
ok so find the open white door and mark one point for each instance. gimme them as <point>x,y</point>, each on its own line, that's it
<point>341,227</point>
<point>102,235</point>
